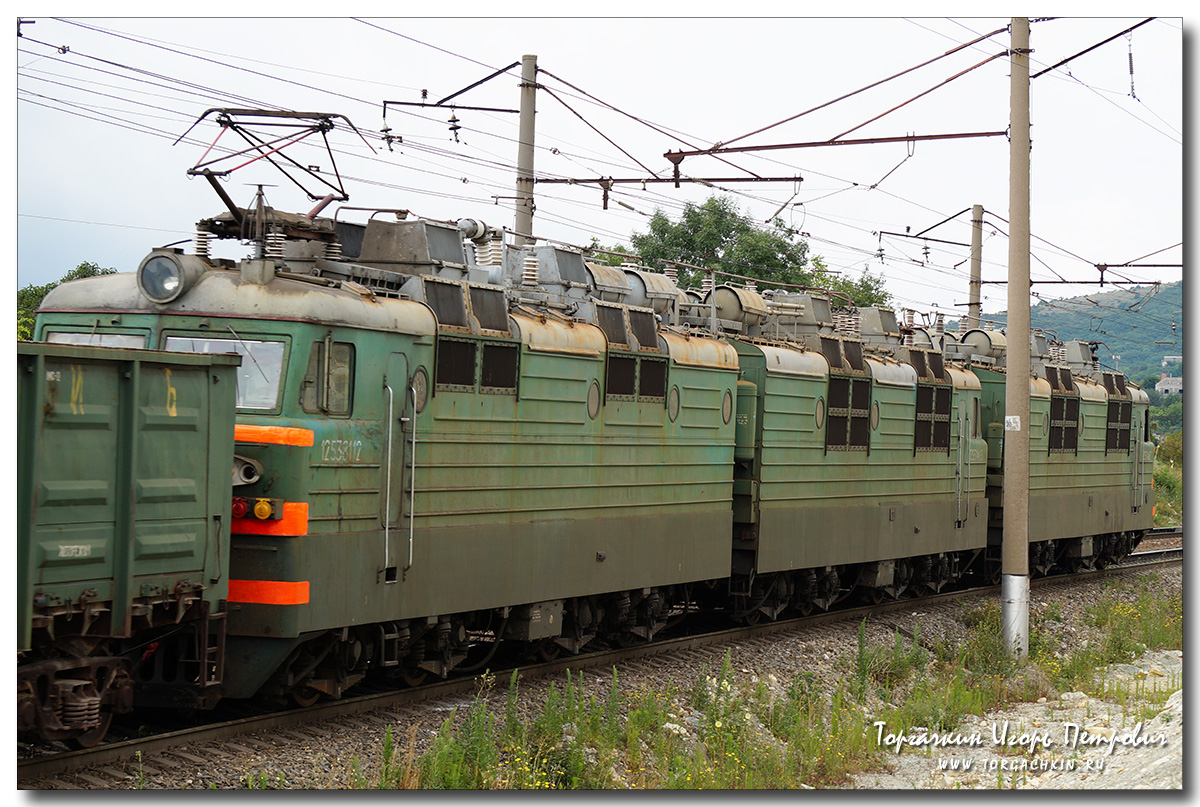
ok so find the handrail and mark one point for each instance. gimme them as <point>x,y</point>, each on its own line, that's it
<point>387,486</point>
<point>962,470</point>
<point>412,480</point>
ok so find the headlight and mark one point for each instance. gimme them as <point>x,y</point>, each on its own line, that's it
<point>165,275</point>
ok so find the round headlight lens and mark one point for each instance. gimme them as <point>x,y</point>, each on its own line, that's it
<point>161,279</point>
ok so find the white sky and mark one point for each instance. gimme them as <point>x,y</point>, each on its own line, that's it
<point>99,179</point>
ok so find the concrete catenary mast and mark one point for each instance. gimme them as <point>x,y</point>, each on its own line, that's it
<point>523,221</point>
<point>973,310</point>
<point>1014,586</point>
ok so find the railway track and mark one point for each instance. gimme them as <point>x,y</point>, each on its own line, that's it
<point>48,766</point>
<point>1164,533</point>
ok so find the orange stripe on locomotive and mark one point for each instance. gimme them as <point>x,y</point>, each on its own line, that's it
<point>269,592</point>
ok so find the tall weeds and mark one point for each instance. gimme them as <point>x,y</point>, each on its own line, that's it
<point>734,732</point>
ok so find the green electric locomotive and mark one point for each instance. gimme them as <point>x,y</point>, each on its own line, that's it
<point>1091,462</point>
<point>424,462</point>
<point>444,443</point>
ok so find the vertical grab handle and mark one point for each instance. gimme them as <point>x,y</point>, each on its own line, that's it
<point>412,479</point>
<point>412,483</point>
<point>387,485</point>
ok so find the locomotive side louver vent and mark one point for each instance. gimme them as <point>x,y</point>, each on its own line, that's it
<point>612,322</point>
<point>455,362</point>
<point>489,308</point>
<point>570,267</point>
<point>446,300</point>
<point>832,349</point>
<point>1052,377</point>
<point>445,244</point>
<point>642,323</point>
<point>937,366</point>
<point>822,313</point>
<point>652,382</point>
<point>622,376</point>
<point>917,359</point>
<point>854,355</point>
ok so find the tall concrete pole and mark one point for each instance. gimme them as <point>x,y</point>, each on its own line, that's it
<point>976,265</point>
<point>523,221</point>
<point>1014,586</point>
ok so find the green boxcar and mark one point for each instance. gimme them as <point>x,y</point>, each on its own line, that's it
<point>123,496</point>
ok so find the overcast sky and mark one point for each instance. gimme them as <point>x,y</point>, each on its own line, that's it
<point>101,102</point>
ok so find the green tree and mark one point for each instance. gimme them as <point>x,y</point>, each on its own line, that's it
<point>868,290</point>
<point>603,258</point>
<point>29,298</point>
<point>1168,417</point>
<point>1171,448</point>
<point>715,235</point>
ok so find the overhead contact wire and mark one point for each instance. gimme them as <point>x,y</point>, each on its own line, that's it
<point>861,90</point>
<point>597,131</point>
<point>641,121</point>
<point>956,76</point>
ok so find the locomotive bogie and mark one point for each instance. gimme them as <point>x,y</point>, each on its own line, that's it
<point>71,698</point>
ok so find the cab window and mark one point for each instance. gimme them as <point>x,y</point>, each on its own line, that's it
<point>329,381</point>
<point>135,340</point>
<point>261,371</point>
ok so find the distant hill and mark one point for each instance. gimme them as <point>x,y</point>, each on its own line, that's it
<point>1133,322</point>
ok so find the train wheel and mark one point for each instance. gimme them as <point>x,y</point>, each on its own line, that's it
<point>628,639</point>
<point>305,696</point>
<point>828,589</point>
<point>549,649</point>
<point>92,737</point>
<point>414,677</point>
<point>753,618</point>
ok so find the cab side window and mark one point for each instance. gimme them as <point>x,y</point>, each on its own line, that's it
<point>329,381</point>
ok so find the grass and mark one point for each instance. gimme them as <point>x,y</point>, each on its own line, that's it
<point>738,732</point>
<point>1168,493</point>
<point>1131,619</point>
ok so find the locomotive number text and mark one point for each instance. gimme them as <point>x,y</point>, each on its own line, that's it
<point>341,450</point>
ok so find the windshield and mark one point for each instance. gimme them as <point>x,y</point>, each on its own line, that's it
<point>261,370</point>
<point>100,339</point>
